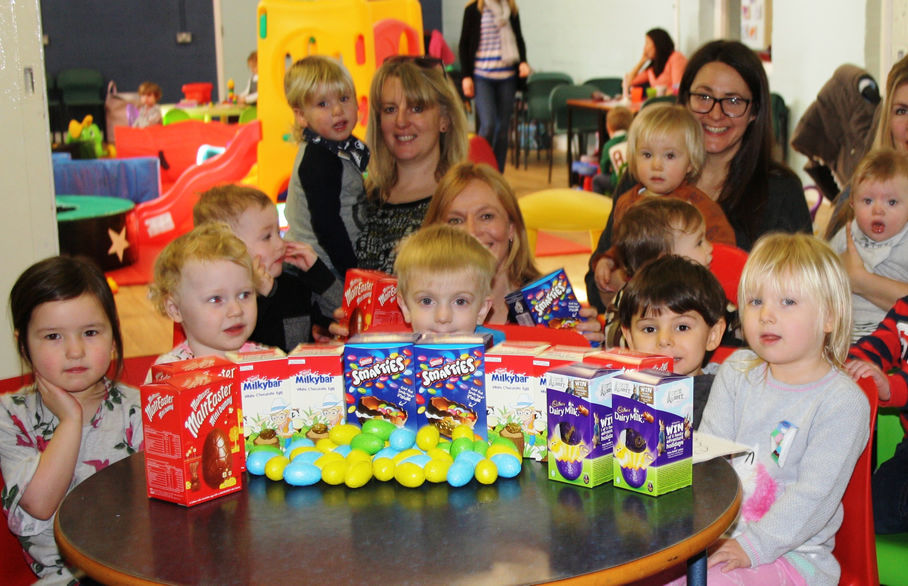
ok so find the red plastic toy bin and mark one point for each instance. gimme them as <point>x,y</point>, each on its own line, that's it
<point>198,92</point>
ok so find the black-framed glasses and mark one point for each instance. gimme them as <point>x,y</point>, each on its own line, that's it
<point>420,61</point>
<point>732,106</point>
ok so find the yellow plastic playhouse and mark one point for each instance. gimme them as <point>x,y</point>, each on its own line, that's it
<point>360,33</point>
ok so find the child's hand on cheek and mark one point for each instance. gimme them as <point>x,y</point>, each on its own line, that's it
<point>731,554</point>
<point>266,281</point>
<point>61,403</point>
<point>300,255</point>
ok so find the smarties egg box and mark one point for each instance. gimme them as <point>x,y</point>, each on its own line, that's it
<point>412,380</point>
<point>548,301</point>
<point>652,415</point>
<point>193,437</point>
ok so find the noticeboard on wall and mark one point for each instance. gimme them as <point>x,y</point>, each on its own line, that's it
<point>756,23</point>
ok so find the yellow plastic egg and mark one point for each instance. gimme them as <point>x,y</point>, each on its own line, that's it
<point>409,474</point>
<point>343,433</point>
<point>383,469</point>
<point>274,469</point>
<point>302,450</point>
<point>325,445</point>
<point>335,472</point>
<point>427,437</point>
<point>358,474</point>
<point>358,456</point>
<point>502,449</point>
<point>486,472</point>
<point>437,453</point>
<point>406,454</point>
<point>462,430</point>
<point>437,470</point>
<point>326,459</point>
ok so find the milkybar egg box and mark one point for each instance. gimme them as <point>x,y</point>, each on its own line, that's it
<point>652,413</point>
<point>193,442</point>
<point>316,377</point>
<point>450,382</point>
<point>579,417</point>
<point>261,377</point>
<point>548,301</point>
<point>370,301</point>
<point>515,404</point>
<point>629,359</point>
<point>379,379</point>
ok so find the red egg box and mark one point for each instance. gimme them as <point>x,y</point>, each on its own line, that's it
<point>629,360</point>
<point>193,440</point>
<point>370,302</point>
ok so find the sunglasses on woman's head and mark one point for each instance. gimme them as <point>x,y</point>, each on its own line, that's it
<point>419,61</point>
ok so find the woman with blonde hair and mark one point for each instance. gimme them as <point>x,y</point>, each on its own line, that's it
<point>417,131</point>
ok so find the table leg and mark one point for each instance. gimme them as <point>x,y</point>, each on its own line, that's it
<point>696,570</point>
<point>570,139</point>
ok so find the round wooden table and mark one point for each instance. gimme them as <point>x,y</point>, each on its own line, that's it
<point>524,530</point>
<point>95,226</point>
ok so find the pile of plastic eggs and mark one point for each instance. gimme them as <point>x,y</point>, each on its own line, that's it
<point>353,456</point>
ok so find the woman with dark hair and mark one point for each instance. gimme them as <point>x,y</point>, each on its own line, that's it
<point>724,85</point>
<point>660,65</point>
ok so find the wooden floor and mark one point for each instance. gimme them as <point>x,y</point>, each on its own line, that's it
<point>146,332</point>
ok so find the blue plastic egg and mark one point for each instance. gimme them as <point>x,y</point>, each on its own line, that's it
<point>298,474</point>
<point>402,439</point>
<point>299,442</point>
<point>469,458</point>
<point>343,450</point>
<point>459,474</point>
<point>508,465</point>
<point>308,457</point>
<point>256,461</point>
<point>420,460</point>
<point>387,452</point>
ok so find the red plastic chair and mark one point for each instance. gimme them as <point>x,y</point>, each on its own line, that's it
<point>728,262</point>
<point>481,152</point>
<point>855,542</point>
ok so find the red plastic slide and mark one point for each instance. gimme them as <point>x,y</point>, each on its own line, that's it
<point>161,220</point>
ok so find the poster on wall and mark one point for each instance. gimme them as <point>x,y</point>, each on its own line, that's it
<point>756,23</point>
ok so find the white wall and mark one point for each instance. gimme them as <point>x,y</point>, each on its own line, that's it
<point>239,28</point>
<point>28,225</point>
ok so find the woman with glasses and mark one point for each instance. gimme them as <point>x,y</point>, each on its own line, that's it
<point>724,85</point>
<point>417,130</point>
<point>492,57</point>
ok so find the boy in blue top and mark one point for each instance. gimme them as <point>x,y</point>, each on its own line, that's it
<point>444,279</point>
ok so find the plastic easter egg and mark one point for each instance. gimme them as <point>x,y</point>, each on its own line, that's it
<point>480,446</point>
<point>307,457</point>
<point>437,470</point>
<point>383,469</point>
<point>358,456</point>
<point>508,465</point>
<point>343,433</point>
<point>471,458</point>
<point>496,449</point>
<point>295,452</point>
<point>367,442</point>
<point>486,472</point>
<point>380,427</point>
<point>400,457</point>
<point>387,452</point>
<point>335,472</point>
<point>463,444</point>
<point>299,442</point>
<point>445,445</point>
<point>325,445</point>
<point>427,437</point>
<point>402,438</point>
<point>459,474</point>
<point>409,474</point>
<point>256,461</point>
<point>326,459</point>
<point>437,453</point>
<point>297,474</point>
<point>460,431</point>
<point>274,469</point>
<point>358,474</point>
<point>419,459</point>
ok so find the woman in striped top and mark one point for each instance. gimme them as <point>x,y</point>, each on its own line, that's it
<point>492,57</point>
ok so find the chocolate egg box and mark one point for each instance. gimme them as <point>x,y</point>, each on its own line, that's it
<point>548,301</point>
<point>370,301</point>
<point>379,379</point>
